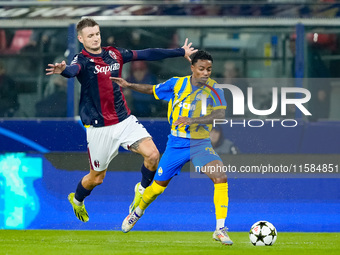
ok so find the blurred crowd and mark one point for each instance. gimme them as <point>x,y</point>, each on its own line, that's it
<point>25,91</point>
<point>254,8</point>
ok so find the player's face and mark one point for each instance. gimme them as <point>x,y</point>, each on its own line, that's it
<point>201,71</point>
<point>90,38</point>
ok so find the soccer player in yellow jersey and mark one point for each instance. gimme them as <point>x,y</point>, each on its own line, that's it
<point>189,138</point>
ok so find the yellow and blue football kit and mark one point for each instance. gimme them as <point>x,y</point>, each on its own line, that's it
<point>187,143</point>
<point>192,142</point>
<point>185,99</point>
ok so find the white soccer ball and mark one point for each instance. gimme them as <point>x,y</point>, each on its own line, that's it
<point>262,233</point>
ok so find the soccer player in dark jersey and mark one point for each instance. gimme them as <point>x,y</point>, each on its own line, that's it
<point>189,139</point>
<point>104,111</point>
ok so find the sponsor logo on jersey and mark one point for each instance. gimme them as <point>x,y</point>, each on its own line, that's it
<point>187,106</point>
<point>105,69</point>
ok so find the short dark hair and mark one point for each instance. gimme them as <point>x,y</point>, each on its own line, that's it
<point>202,55</point>
<point>86,22</point>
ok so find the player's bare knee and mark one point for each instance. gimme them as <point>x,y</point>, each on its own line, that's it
<point>98,180</point>
<point>152,159</point>
<point>220,179</point>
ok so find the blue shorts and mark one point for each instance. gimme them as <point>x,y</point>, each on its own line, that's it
<point>181,150</point>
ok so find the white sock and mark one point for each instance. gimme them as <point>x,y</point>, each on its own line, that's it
<point>220,223</point>
<point>139,211</point>
<point>77,202</point>
<point>141,189</point>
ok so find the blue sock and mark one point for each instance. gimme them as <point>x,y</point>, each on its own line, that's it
<point>147,176</point>
<point>81,192</point>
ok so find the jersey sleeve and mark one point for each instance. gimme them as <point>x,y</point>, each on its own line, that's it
<point>158,54</point>
<point>164,91</point>
<point>219,102</point>
<point>74,68</point>
<point>216,99</point>
<point>150,54</point>
<point>127,55</point>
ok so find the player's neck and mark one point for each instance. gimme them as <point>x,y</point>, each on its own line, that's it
<point>195,82</point>
<point>92,51</point>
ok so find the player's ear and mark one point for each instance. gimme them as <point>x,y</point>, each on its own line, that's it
<point>80,38</point>
<point>192,68</point>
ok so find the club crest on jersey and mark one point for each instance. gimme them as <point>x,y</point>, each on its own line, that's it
<point>112,54</point>
<point>198,97</point>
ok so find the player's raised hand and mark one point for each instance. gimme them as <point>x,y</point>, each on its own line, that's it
<point>57,68</point>
<point>188,50</point>
<point>120,81</point>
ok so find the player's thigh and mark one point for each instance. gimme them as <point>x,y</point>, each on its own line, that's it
<point>171,163</point>
<point>135,135</point>
<point>102,146</point>
<point>202,153</point>
<point>146,147</point>
<point>207,160</point>
<point>215,171</point>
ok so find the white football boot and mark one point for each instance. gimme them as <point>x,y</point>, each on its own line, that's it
<point>221,235</point>
<point>130,221</point>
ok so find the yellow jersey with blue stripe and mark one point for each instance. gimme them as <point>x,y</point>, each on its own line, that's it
<point>186,100</point>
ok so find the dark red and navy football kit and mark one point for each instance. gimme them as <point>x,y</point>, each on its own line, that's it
<point>102,102</point>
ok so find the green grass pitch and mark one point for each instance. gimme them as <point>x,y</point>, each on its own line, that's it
<point>45,242</point>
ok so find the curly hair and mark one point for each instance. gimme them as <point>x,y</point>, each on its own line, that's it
<point>201,54</point>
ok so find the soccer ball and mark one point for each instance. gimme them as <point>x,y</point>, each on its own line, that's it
<point>262,233</point>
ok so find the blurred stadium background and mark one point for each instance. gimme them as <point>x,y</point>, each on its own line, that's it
<point>258,43</point>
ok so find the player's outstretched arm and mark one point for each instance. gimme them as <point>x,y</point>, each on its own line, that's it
<point>56,68</point>
<point>142,88</point>
<point>206,119</point>
<point>158,54</point>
